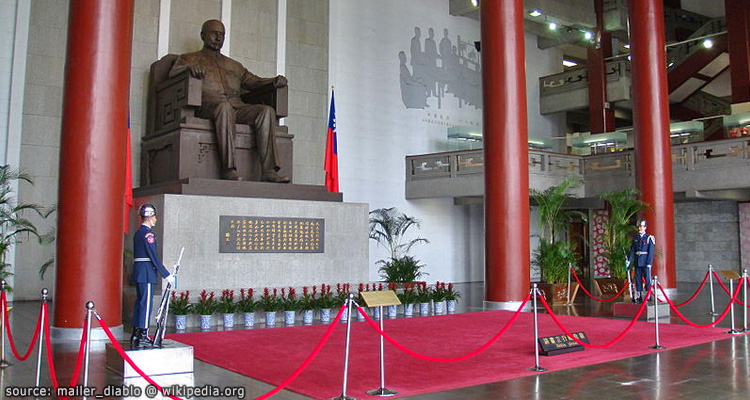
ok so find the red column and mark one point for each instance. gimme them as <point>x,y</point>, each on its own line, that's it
<point>92,161</point>
<point>651,127</point>
<point>506,170</point>
<point>738,34</point>
<point>601,117</point>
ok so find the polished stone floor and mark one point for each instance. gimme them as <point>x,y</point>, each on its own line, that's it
<point>717,370</point>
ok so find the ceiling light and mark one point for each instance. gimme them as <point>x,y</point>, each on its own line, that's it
<point>569,63</point>
<point>626,45</point>
<point>474,3</point>
<point>552,26</point>
<point>535,13</point>
<point>708,43</point>
<point>588,35</point>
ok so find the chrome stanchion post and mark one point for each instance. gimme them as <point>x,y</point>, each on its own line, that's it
<point>711,287</point>
<point>349,303</point>
<point>654,288</point>
<point>536,367</point>
<point>744,300</point>
<point>41,338</point>
<point>87,351</point>
<point>3,362</point>
<point>732,331</point>
<point>570,267</point>
<point>382,391</point>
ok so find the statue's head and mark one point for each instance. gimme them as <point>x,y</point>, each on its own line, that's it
<point>212,34</point>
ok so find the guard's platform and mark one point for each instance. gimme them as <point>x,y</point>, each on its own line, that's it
<point>170,365</point>
<point>631,309</point>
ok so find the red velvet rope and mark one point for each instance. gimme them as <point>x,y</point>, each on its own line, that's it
<point>592,296</point>
<point>286,382</point>
<point>682,317</point>
<point>705,278</point>
<point>484,347</point>
<point>79,359</point>
<point>3,303</point>
<point>598,346</point>
<point>727,290</point>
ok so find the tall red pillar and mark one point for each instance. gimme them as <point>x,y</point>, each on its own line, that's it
<point>651,126</point>
<point>92,162</point>
<point>601,115</point>
<point>506,170</point>
<point>738,35</point>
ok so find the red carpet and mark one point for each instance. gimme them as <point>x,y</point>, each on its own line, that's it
<point>271,355</point>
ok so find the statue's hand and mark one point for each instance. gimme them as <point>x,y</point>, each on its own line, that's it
<point>196,71</point>
<point>280,81</point>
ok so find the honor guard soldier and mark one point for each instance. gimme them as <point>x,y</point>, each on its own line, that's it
<point>642,254</point>
<point>146,266</point>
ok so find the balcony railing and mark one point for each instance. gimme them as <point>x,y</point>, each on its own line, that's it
<point>716,169</point>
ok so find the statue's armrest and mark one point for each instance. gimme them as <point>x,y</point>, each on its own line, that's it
<point>176,98</point>
<point>268,94</point>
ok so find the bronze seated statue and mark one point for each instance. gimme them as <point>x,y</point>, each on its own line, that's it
<point>178,145</point>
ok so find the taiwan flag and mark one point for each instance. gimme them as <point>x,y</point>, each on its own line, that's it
<point>332,157</point>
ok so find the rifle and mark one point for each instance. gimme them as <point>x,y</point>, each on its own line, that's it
<point>161,315</point>
<point>630,282</point>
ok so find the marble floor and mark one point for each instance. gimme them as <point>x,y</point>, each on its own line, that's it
<point>717,370</point>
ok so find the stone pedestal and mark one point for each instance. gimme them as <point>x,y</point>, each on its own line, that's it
<point>630,310</point>
<point>192,222</point>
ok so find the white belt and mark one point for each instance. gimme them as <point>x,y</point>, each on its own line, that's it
<point>141,259</point>
<point>640,253</point>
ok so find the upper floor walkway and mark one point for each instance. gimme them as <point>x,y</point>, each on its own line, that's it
<point>718,170</point>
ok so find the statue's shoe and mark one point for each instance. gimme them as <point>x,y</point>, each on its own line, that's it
<point>231,175</point>
<point>273,176</point>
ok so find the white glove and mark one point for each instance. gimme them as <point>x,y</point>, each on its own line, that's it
<point>627,264</point>
<point>170,278</point>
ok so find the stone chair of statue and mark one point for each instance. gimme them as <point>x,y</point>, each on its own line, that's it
<point>177,145</point>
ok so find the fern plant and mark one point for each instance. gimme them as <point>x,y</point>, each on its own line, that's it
<point>624,207</point>
<point>389,227</point>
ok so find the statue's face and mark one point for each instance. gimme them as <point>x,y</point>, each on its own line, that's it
<point>213,35</point>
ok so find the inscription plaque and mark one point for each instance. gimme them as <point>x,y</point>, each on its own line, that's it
<point>243,234</point>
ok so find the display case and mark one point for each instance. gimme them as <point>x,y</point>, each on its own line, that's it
<point>685,132</point>
<point>599,143</point>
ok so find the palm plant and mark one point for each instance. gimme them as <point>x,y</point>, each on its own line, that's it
<point>14,226</point>
<point>553,256</point>
<point>388,227</point>
<point>624,207</point>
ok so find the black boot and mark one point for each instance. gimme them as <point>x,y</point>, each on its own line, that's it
<point>145,340</point>
<point>135,338</point>
<point>638,298</point>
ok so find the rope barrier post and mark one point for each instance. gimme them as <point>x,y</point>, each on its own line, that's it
<point>570,268</point>
<point>711,287</point>
<point>41,342</point>
<point>349,303</point>
<point>382,391</point>
<point>536,367</point>
<point>89,311</point>
<point>744,300</point>
<point>3,362</point>
<point>732,331</point>
<point>654,288</point>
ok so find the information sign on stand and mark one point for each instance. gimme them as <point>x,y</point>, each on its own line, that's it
<point>382,298</point>
<point>561,344</point>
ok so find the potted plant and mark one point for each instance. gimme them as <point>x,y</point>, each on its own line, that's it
<point>342,293</point>
<point>556,253</point>
<point>290,304</point>
<point>270,303</point>
<point>424,296</point>
<point>325,302</point>
<point>392,310</point>
<point>389,227</point>
<point>308,303</point>
<point>247,306</point>
<point>439,293</point>
<point>623,207</point>
<point>451,298</point>
<point>361,301</point>
<point>227,307</point>
<point>205,307</point>
<point>180,307</point>
<point>14,224</point>
<point>408,297</point>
